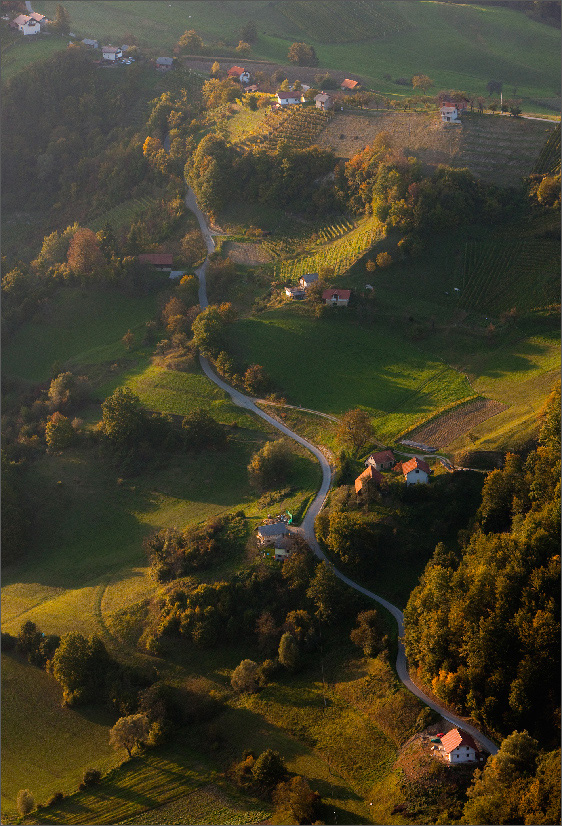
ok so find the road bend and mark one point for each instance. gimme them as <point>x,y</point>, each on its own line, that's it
<point>306,529</point>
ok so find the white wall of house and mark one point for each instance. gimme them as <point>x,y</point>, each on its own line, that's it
<point>462,754</point>
<point>449,114</point>
<point>416,477</point>
<point>337,301</point>
<point>288,101</point>
<point>32,27</point>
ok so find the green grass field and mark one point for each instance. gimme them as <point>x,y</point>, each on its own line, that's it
<point>335,364</point>
<point>457,46</point>
<point>46,747</point>
<point>82,327</point>
<point>28,50</point>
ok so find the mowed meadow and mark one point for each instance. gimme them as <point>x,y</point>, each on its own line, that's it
<point>457,46</point>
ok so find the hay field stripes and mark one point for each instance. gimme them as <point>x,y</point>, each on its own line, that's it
<point>345,22</point>
<point>549,158</point>
<point>492,273</point>
<point>341,254</point>
<point>443,429</point>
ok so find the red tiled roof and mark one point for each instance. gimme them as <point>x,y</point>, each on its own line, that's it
<point>382,456</point>
<point>414,464</point>
<point>349,84</point>
<point>327,294</point>
<point>235,70</point>
<point>21,19</point>
<point>369,473</point>
<point>159,259</point>
<point>38,17</point>
<point>455,738</point>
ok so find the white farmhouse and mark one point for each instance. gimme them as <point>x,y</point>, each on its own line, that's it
<point>416,471</point>
<point>289,98</point>
<point>27,25</point>
<point>458,747</point>
<point>112,53</point>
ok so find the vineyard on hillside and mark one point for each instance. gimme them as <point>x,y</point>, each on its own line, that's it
<point>296,125</point>
<point>345,22</point>
<point>549,159</point>
<point>519,273</point>
<point>340,254</point>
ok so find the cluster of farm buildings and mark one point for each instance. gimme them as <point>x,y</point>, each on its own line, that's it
<point>333,296</point>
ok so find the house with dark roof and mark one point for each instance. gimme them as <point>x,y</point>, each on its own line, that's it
<point>370,476</point>
<point>383,460</point>
<point>272,533</point>
<point>295,293</point>
<point>164,64</point>
<point>91,44</point>
<point>416,471</point>
<point>458,747</point>
<point>335,297</point>
<point>160,260</point>
<point>305,281</point>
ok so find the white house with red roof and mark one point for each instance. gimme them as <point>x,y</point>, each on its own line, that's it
<point>383,460</point>
<point>112,53</point>
<point>458,747</point>
<point>451,109</point>
<point>27,24</point>
<point>335,297</point>
<point>289,98</point>
<point>416,471</point>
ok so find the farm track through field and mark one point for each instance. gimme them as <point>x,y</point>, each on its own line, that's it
<point>307,527</point>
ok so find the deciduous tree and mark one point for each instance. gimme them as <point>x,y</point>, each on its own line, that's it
<point>84,254</point>
<point>302,54</point>
<point>245,677</point>
<point>355,429</point>
<point>59,432</point>
<point>130,732</point>
<point>269,468</point>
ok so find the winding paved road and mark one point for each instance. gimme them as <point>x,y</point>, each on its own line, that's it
<point>307,527</point>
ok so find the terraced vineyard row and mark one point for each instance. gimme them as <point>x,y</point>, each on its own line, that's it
<point>298,126</point>
<point>522,274</point>
<point>345,22</point>
<point>549,159</point>
<point>341,254</point>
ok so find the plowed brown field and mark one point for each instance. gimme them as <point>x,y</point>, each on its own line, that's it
<point>443,430</point>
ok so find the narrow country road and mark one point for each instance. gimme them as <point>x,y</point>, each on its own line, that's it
<point>307,527</point>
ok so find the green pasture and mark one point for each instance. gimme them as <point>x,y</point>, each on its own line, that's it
<point>334,364</point>
<point>78,326</point>
<point>459,47</point>
<point>46,747</point>
<point>30,49</point>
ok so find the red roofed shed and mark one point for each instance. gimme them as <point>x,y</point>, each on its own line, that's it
<point>338,297</point>
<point>161,260</point>
<point>369,475</point>
<point>382,460</point>
<point>349,85</point>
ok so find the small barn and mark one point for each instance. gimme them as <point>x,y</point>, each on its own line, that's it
<point>350,85</point>
<point>324,101</point>
<point>458,747</point>
<point>235,71</point>
<point>416,471</point>
<point>294,293</point>
<point>370,476</point>
<point>335,297</point>
<point>164,64</point>
<point>383,460</point>
<point>160,260</point>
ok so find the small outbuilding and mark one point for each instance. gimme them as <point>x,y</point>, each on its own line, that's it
<point>370,476</point>
<point>91,44</point>
<point>335,297</point>
<point>349,85</point>
<point>458,747</point>
<point>111,53</point>
<point>383,460</point>
<point>160,260</point>
<point>416,471</point>
<point>164,64</point>
<point>324,101</point>
<point>294,293</point>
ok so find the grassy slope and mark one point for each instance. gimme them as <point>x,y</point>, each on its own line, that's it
<point>30,49</point>
<point>457,46</point>
<point>335,364</point>
<point>46,747</point>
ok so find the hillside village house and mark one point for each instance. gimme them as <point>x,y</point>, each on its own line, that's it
<point>289,98</point>
<point>370,476</point>
<point>383,460</point>
<point>335,297</point>
<point>272,534</point>
<point>294,293</point>
<point>305,281</point>
<point>160,260</point>
<point>324,101</point>
<point>450,110</point>
<point>238,73</point>
<point>40,18</point>
<point>26,24</point>
<point>416,471</point>
<point>112,53</point>
<point>349,85</point>
<point>91,44</point>
<point>164,63</point>
<point>458,747</point>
